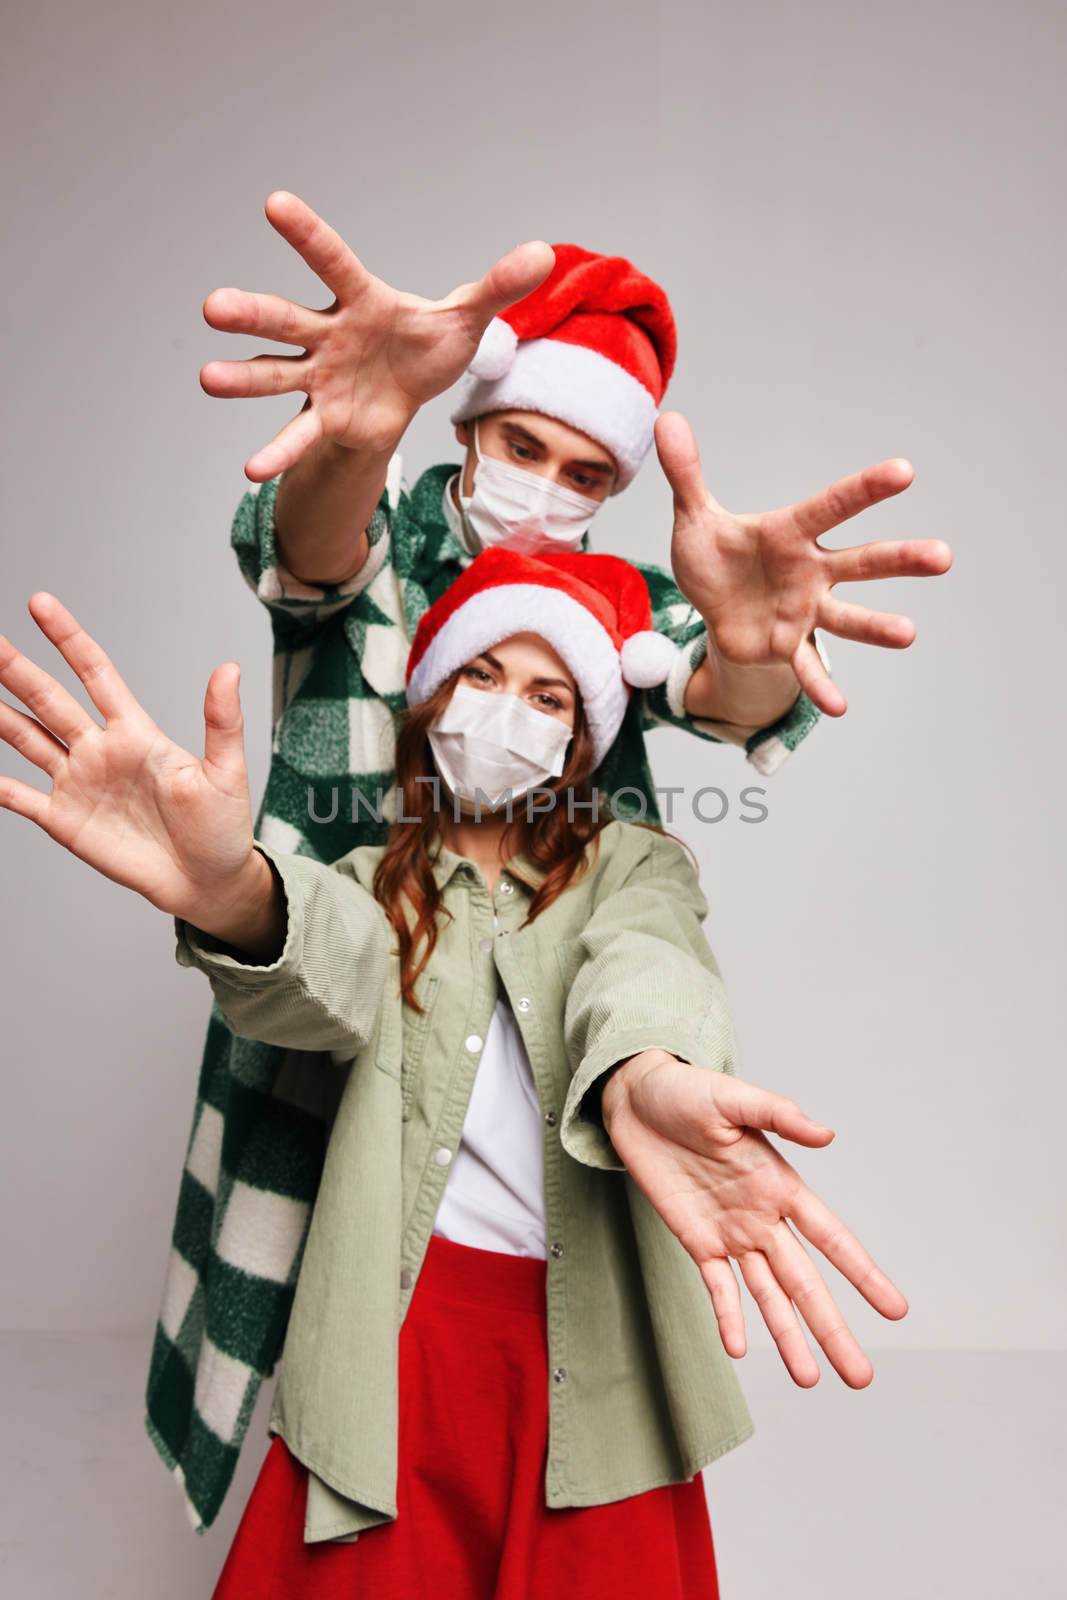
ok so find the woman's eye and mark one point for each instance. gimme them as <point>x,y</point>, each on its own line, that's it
<point>550,702</point>
<point>477,672</point>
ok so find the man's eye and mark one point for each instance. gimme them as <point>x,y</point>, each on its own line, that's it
<point>581,480</point>
<point>519,450</point>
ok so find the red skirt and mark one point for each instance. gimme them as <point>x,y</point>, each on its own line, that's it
<point>471,1520</point>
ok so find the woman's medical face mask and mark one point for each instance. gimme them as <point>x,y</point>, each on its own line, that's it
<point>522,509</point>
<point>497,744</point>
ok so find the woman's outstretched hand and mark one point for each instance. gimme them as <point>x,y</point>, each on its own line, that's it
<point>695,1144</point>
<point>124,797</point>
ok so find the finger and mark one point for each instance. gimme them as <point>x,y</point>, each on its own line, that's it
<point>718,1274</point>
<point>781,1319</point>
<point>511,278</point>
<point>224,747</point>
<point>849,496</point>
<point>798,1276</point>
<point>816,681</point>
<point>287,446</point>
<point>101,678</point>
<point>26,736</point>
<point>259,375</point>
<point>324,250</point>
<point>54,708</point>
<point>864,626</point>
<point>679,457</point>
<point>26,801</point>
<point>843,1250</point>
<point>749,1106</point>
<point>889,558</point>
<point>262,316</point>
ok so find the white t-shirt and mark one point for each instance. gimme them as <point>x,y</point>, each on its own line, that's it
<point>494,1197</point>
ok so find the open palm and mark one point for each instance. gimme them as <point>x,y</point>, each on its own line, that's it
<point>761,580</point>
<point>126,799</point>
<point>694,1143</point>
<point>372,358</point>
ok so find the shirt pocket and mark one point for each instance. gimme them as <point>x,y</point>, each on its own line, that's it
<point>416,1032</point>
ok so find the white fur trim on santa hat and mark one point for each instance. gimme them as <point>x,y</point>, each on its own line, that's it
<point>570,628</point>
<point>496,351</point>
<point>647,658</point>
<point>580,387</point>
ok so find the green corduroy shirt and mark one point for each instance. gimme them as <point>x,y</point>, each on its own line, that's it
<point>639,1389</point>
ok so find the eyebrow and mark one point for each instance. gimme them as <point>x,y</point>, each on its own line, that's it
<point>560,683</point>
<point>524,433</point>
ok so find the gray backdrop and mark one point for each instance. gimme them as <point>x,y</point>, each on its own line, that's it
<point>856,212</point>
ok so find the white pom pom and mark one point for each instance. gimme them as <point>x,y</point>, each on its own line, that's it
<point>496,351</point>
<point>647,659</point>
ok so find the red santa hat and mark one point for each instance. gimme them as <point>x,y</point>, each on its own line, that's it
<point>594,610</point>
<point>593,345</point>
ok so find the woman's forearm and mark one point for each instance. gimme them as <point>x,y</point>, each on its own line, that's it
<point>248,914</point>
<point>619,1079</point>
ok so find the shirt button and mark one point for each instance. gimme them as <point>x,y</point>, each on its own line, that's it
<point>505,888</point>
<point>560,1374</point>
<point>524,1003</point>
<point>485,944</point>
<point>442,1157</point>
<point>555,1249</point>
<point>551,1118</point>
<point>473,1043</point>
<point>407,1278</point>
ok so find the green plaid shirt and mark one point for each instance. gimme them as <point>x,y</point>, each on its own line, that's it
<point>257,1144</point>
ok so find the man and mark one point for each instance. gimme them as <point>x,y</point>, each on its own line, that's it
<point>564,358</point>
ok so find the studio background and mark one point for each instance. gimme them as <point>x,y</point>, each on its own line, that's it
<point>857,214</point>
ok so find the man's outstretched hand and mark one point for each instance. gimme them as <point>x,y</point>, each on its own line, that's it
<point>695,1143</point>
<point>761,580</point>
<point>369,360</point>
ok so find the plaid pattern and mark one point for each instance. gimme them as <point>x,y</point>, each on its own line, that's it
<point>258,1140</point>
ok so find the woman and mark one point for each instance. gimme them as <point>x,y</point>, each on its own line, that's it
<point>501,1374</point>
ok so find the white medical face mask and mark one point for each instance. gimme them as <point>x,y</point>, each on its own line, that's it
<point>496,743</point>
<point>523,510</point>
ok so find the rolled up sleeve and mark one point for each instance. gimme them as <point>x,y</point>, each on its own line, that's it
<point>323,991</point>
<point>254,540</point>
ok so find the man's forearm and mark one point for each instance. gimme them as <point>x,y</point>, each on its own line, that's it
<point>325,503</point>
<point>750,696</point>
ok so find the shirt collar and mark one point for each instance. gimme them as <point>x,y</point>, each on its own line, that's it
<point>520,868</point>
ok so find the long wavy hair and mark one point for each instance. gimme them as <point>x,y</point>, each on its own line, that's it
<point>404,877</point>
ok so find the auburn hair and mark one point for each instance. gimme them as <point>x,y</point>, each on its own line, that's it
<point>405,872</point>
